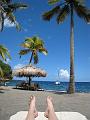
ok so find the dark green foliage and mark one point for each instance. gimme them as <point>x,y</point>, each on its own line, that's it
<point>63,8</point>
<point>7,9</point>
<point>48,15</point>
<point>7,71</point>
<point>63,14</point>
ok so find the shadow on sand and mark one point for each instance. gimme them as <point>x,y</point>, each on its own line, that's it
<point>1,91</point>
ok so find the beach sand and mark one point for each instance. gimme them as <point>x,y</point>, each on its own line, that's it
<point>13,100</point>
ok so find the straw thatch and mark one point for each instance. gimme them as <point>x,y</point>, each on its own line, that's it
<point>29,71</point>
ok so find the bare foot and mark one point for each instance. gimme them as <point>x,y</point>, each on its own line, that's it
<point>50,107</point>
<point>32,107</point>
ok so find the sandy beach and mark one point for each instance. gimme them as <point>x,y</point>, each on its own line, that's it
<point>12,101</point>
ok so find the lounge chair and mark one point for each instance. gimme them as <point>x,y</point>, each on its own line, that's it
<point>60,115</point>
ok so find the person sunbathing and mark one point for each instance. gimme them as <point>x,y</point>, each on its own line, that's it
<point>49,113</point>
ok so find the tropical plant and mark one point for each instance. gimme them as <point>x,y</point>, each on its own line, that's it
<point>6,71</point>
<point>33,45</point>
<point>7,9</point>
<point>61,11</point>
<point>1,72</point>
<point>4,53</point>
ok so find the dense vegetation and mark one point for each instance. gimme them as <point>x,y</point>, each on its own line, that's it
<point>7,71</point>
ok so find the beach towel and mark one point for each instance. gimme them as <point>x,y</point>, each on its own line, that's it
<point>60,115</point>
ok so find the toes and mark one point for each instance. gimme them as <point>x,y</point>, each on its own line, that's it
<point>31,98</point>
<point>35,114</point>
<point>46,115</point>
<point>50,98</point>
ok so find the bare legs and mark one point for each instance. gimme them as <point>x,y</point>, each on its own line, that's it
<point>32,112</point>
<point>49,113</point>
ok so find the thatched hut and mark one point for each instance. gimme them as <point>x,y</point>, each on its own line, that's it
<point>29,71</point>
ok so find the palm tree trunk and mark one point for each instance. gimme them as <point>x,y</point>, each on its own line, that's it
<point>29,63</point>
<point>71,88</point>
<point>31,58</point>
<point>29,81</point>
<point>1,21</point>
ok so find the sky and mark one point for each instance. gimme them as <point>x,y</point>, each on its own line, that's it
<point>57,42</point>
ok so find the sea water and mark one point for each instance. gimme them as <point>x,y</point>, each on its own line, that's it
<point>48,85</point>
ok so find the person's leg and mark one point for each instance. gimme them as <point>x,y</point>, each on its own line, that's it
<point>32,112</point>
<point>50,113</point>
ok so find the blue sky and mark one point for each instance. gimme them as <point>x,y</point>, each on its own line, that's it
<point>56,38</point>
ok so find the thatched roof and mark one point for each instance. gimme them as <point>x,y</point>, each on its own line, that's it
<point>29,71</point>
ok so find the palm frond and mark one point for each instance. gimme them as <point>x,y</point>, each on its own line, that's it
<point>81,2</point>
<point>7,9</point>
<point>82,12</point>
<point>4,52</point>
<point>51,2</point>
<point>18,26</point>
<point>6,1</point>
<point>48,15</point>
<point>3,56</point>
<point>8,55</point>
<point>39,43</point>
<point>16,6</point>
<point>1,72</point>
<point>25,45</point>
<point>43,50</point>
<point>29,40</point>
<point>10,16</point>
<point>23,52</point>
<point>63,13</point>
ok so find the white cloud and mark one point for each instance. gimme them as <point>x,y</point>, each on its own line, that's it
<point>64,74</point>
<point>7,23</point>
<point>18,66</point>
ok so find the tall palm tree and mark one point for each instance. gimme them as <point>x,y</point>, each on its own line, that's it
<point>4,53</point>
<point>33,45</point>
<point>7,9</point>
<point>61,10</point>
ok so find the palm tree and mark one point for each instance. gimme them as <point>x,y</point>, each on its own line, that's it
<point>7,9</point>
<point>61,10</point>
<point>4,53</point>
<point>33,45</point>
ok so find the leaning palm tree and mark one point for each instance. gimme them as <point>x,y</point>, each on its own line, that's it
<point>33,45</point>
<point>61,10</point>
<point>7,9</point>
<point>4,53</point>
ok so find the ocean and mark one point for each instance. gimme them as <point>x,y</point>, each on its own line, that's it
<point>48,85</point>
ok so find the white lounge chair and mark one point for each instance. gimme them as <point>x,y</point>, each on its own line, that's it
<point>60,115</point>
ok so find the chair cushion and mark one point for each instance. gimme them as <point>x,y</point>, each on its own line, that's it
<point>60,115</point>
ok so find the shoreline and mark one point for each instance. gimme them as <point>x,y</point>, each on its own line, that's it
<point>57,91</point>
<point>81,87</point>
